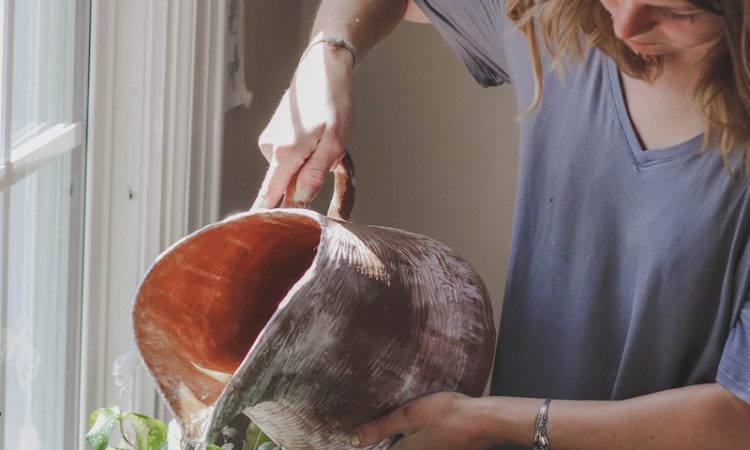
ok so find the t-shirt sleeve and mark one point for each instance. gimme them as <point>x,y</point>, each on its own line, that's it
<point>734,367</point>
<point>475,30</point>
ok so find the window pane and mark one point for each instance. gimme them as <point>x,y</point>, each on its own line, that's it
<point>41,224</point>
<point>42,317</point>
<point>43,65</point>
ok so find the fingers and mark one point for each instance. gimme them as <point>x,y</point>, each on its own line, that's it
<point>380,429</point>
<point>401,442</point>
<point>305,135</point>
<point>290,196</point>
<point>299,171</point>
<point>280,173</point>
<point>314,172</point>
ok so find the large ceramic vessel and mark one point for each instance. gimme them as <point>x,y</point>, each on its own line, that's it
<point>309,324</point>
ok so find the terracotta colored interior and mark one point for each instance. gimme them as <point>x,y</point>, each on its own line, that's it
<point>208,299</point>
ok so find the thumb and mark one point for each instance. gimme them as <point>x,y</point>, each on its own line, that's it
<point>392,425</point>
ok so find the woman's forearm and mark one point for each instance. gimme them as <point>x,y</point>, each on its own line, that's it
<point>694,417</point>
<point>309,130</point>
<point>362,22</point>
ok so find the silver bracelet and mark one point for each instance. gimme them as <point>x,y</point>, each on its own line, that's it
<point>541,441</point>
<point>335,42</point>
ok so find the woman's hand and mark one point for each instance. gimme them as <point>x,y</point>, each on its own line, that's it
<point>442,421</point>
<point>692,417</point>
<point>307,134</point>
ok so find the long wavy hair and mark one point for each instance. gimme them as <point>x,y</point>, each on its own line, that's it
<point>568,28</point>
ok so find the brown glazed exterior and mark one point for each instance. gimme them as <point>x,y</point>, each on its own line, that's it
<point>309,325</point>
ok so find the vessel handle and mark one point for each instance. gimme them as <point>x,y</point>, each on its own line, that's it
<point>342,202</point>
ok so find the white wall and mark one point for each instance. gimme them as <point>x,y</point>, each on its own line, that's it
<point>435,153</point>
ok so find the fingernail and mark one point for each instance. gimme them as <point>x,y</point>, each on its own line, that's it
<point>304,196</point>
<point>354,440</point>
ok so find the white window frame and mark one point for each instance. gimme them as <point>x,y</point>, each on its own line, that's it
<point>44,145</point>
<point>153,166</point>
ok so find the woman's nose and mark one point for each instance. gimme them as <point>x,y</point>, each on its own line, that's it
<point>631,19</point>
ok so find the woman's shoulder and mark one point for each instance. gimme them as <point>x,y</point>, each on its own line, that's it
<point>476,30</point>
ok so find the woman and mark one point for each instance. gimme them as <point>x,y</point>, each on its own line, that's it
<point>626,298</point>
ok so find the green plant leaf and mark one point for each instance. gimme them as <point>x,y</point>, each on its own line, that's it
<point>254,437</point>
<point>102,422</point>
<point>150,433</point>
<point>212,447</point>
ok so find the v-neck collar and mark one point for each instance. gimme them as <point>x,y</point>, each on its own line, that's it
<point>642,157</point>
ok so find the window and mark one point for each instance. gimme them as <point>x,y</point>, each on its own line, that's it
<point>44,55</point>
<point>137,108</point>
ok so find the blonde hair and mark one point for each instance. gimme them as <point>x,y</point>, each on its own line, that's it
<point>570,27</point>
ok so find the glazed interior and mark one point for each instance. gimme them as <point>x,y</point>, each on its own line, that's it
<point>204,303</point>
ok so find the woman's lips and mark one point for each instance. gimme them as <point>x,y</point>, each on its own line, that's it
<point>640,47</point>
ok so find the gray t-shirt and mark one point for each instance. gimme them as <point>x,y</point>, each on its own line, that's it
<point>629,269</point>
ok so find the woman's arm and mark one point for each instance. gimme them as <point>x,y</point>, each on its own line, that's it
<point>414,14</point>
<point>362,22</point>
<point>307,133</point>
<point>697,417</point>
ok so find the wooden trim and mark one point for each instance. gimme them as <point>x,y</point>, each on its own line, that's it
<point>97,220</point>
<point>153,166</point>
<point>208,133</point>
